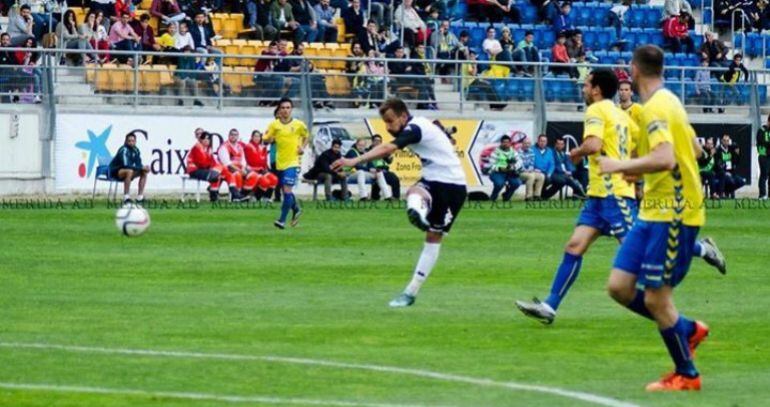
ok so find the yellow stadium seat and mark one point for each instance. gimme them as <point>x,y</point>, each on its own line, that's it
<point>245,76</point>
<point>102,77</point>
<point>231,78</point>
<point>332,45</point>
<point>340,23</point>
<point>324,63</point>
<point>231,50</point>
<point>238,19</point>
<point>240,42</point>
<point>217,22</point>
<point>339,53</point>
<point>146,4</point>
<point>223,42</point>
<point>314,45</point>
<point>91,72</point>
<point>149,79</point>
<point>122,79</point>
<point>249,50</point>
<point>80,14</point>
<point>166,74</point>
<point>347,47</point>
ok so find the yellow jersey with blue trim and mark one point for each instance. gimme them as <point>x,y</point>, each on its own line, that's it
<point>615,128</point>
<point>288,138</point>
<point>675,195</point>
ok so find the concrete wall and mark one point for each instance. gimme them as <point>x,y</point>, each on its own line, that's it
<point>21,150</point>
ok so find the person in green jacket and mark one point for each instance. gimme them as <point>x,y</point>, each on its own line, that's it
<point>763,151</point>
<point>706,167</point>
<point>504,170</point>
<point>126,165</point>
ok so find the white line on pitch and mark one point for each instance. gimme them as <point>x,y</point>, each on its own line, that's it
<point>190,396</point>
<point>576,395</point>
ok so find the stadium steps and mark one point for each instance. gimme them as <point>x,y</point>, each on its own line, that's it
<point>446,97</point>
<point>73,83</point>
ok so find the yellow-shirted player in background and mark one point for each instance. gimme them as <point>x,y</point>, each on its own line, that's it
<point>611,206</point>
<point>657,252</point>
<point>289,137</point>
<point>626,102</point>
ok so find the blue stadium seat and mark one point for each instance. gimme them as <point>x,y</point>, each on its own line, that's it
<point>605,38</point>
<point>696,39</point>
<point>675,87</point>
<point>550,90</point>
<point>601,55</point>
<point>643,37</point>
<point>635,16</point>
<point>707,14</point>
<point>762,94</point>
<point>656,37</point>
<point>590,38</point>
<point>767,63</point>
<point>499,85</point>
<point>612,56</point>
<point>477,36</point>
<point>518,33</point>
<point>527,90</point>
<point>528,12</point>
<point>653,15</point>
<point>546,39</point>
<point>460,10</point>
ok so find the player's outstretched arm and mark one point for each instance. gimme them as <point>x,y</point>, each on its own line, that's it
<point>382,150</point>
<point>661,158</point>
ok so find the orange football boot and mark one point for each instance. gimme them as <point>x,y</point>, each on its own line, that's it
<point>675,382</point>
<point>698,336</point>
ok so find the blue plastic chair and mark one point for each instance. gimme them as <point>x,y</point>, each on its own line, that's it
<point>653,15</point>
<point>636,17</point>
<point>528,12</point>
<point>103,174</point>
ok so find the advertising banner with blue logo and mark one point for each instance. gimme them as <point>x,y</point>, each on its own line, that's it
<point>85,141</point>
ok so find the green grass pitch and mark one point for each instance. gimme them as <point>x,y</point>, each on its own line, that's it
<point>224,281</point>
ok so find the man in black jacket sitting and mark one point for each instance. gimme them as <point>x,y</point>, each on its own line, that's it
<point>322,171</point>
<point>127,165</point>
<point>726,160</point>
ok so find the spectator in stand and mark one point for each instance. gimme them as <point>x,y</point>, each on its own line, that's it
<point>505,165</point>
<point>203,36</point>
<point>167,11</point>
<point>735,71</point>
<point>532,178</point>
<point>563,174</point>
<point>494,11</point>
<point>143,29</point>
<point>20,26</point>
<point>703,94</point>
<point>355,62</point>
<point>544,159</point>
<point>444,41</point>
<point>526,51</point>
<point>673,8</point>
<point>399,68</point>
<point>305,16</point>
<point>616,17</point>
<point>714,51</point>
<point>123,37</point>
<point>563,23</point>
<point>462,46</point>
<point>45,20</point>
<point>575,48</point>
<point>675,31</point>
<point>559,55</point>
<point>374,81</point>
<point>620,71</point>
<point>7,72</point>
<point>96,35</point>
<point>107,8</point>
<point>491,45</point>
<point>317,81</point>
<point>763,152</point>
<point>283,19</point>
<point>29,60</point>
<point>725,9</point>
<point>185,76</point>
<point>759,14</point>
<point>70,38</point>
<point>727,158</point>
<point>258,19</point>
<point>415,29</point>
<point>706,167</point>
<point>382,165</point>
<point>201,164</point>
<point>354,18</point>
<point>124,6</point>
<point>475,87</point>
<point>167,43</point>
<point>506,40</point>
<point>369,39</point>
<point>425,82</point>
<point>126,166</point>
<point>547,10</point>
<point>322,171</point>
<point>327,29</point>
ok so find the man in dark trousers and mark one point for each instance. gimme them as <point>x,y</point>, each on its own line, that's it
<point>127,165</point>
<point>322,172</point>
<point>763,149</point>
<point>706,163</point>
<point>726,160</point>
<point>383,165</point>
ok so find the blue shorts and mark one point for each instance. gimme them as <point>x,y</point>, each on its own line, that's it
<point>288,176</point>
<point>657,253</point>
<point>608,215</point>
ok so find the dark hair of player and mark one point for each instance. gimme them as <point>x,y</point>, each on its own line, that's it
<point>377,136</point>
<point>649,60</point>
<point>336,142</point>
<point>505,138</point>
<point>606,80</point>
<point>396,105</point>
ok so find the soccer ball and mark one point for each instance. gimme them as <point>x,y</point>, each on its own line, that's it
<point>132,220</point>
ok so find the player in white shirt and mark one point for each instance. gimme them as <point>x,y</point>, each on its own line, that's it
<point>435,201</point>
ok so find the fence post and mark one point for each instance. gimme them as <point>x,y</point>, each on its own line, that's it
<point>136,78</point>
<point>220,94</point>
<point>540,110</point>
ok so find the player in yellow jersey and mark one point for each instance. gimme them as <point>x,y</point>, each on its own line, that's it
<point>289,137</point>
<point>658,250</point>
<point>611,207</point>
<point>626,102</point>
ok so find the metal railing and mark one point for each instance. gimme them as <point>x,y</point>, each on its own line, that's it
<point>230,80</point>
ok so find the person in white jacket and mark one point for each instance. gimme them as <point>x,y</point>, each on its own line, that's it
<point>407,16</point>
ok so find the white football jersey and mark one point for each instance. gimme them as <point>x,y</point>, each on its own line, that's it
<point>432,145</point>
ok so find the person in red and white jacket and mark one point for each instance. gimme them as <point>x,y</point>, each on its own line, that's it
<point>257,155</point>
<point>675,30</point>
<point>202,165</point>
<point>232,156</point>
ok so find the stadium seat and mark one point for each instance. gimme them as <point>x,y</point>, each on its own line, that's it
<point>653,17</point>
<point>528,12</point>
<point>103,174</point>
<point>232,79</point>
<point>145,5</point>
<point>149,79</point>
